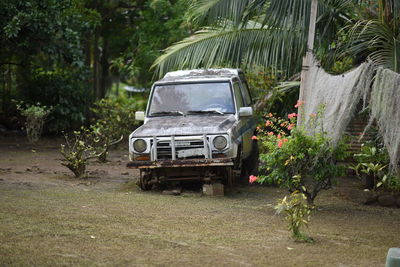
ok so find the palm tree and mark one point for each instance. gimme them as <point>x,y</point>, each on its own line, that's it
<point>242,33</point>
<point>376,34</point>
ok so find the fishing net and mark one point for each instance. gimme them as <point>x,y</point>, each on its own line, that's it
<point>334,98</point>
<point>385,110</point>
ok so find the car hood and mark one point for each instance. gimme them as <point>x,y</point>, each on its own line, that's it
<point>188,125</point>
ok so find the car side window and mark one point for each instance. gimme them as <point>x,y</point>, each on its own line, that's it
<point>238,95</point>
<point>245,90</point>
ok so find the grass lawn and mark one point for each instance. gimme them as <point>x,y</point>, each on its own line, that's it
<point>48,218</point>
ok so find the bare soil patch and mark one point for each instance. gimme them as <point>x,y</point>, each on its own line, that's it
<point>49,218</point>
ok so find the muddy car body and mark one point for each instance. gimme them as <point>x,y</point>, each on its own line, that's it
<point>198,125</point>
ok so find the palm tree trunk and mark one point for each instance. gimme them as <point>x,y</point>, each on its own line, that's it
<point>309,54</point>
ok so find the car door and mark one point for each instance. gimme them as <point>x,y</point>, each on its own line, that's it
<point>245,125</point>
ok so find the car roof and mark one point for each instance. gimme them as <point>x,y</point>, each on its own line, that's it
<point>200,74</point>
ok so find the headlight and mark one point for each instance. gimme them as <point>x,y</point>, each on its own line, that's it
<point>140,145</point>
<point>220,142</point>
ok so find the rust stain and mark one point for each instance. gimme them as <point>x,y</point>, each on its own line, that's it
<point>180,163</point>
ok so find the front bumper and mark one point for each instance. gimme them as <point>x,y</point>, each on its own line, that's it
<point>216,162</point>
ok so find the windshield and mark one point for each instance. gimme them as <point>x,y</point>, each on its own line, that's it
<point>192,98</point>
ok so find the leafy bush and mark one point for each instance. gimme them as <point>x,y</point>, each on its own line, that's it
<point>79,149</point>
<point>372,167</point>
<point>35,118</point>
<point>106,138</point>
<point>117,115</point>
<point>298,214</point>
<point>296,160</point>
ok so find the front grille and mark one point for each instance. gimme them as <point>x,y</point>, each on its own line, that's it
<point>164,149</point>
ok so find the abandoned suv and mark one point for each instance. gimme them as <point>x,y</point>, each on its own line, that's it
<point>198,126</point>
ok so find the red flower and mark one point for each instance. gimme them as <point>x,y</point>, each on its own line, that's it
<point>252,178</point>
<point>280,143</point>
<point>285,140</point>
<point>299,104</point>
<point>254,137</point>
<point>292,115</point>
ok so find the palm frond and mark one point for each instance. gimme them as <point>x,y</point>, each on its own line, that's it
<point>376,40</point>
<point>236,47</point>
<point>212,12</point>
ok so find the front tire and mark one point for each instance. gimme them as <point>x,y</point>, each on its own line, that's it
<point>143,183</point>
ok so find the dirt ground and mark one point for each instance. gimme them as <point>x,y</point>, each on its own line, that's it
<point>49,218</point>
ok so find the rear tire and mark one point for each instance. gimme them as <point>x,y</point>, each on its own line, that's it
<point>250,164</point>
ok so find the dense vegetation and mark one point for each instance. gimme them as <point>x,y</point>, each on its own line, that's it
<point>67,54</point>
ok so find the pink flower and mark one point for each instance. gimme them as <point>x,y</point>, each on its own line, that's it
<point>290,126</point>
<point>299,104</point>
<point>254,137</point>
<point>279,136</point>
<point>268,123</point>
<point>270,114</point>
<point>270,133</point>
<point>258,128</point>
<point>252,178</point>
<point>280,143</point>
<point>285,140</point>
<point>292,115</point>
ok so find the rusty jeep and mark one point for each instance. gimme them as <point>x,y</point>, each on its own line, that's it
<point>198,125</point>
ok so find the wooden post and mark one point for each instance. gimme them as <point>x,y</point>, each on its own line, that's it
<point>308,57</point>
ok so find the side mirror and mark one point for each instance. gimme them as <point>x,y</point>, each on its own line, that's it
<point>245,112</point>
<point>139,115</point>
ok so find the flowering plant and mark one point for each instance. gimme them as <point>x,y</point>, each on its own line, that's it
<point>293,159</point>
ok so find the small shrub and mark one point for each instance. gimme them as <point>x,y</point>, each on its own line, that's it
<point>372,167</point>
<point>78,150</point>
<point>293,159</point>
<point>106,136</point>
<point>298,214</point>
<point>35,116</point>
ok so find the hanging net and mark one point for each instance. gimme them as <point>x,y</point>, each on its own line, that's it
<point>385,110</point>
<point>336,95</point>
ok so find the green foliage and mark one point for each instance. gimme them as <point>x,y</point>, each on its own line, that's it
<point>298,214</point>
<point>374,33</point>
<point>245,33</point>
<point>106,135</point>
<point>35,116</point>
<point>372,166</point>
<point>117,115</point>
<point>262,82</point>
<point>43,29</point>
<point>162,23</point>
<point>66,90</point>
<point>296,160</point>
<point>78,150</point>
<point>341,66</point>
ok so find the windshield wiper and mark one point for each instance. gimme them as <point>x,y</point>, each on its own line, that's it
<point>214,111</point>
<point>166,113</point>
